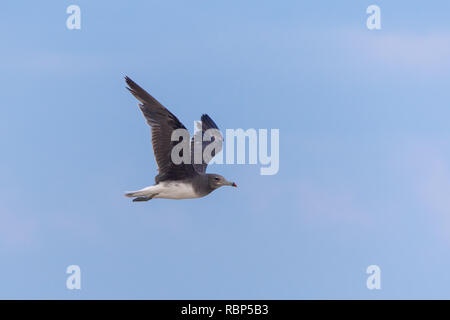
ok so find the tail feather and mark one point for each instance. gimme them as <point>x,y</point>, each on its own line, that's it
<point>143,194</point>
<point>142,198</point>
<point>132,194</point>
<point>138,193</point>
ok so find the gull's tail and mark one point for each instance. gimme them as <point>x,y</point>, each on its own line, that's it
<point>143,194</point>
<point>134,194</point>
<point>131,194</point>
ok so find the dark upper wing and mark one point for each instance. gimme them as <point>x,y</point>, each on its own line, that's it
<point>198,144</point>
<point>162,123</point>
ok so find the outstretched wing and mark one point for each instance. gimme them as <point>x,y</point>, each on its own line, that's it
<point>162,123</point>
<point>200,162</point>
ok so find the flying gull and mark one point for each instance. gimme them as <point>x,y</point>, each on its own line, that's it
<point>174,181</point>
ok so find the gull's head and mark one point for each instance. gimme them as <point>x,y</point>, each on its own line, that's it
<point>216,181</point>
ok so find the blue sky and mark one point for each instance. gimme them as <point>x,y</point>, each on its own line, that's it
<point>364,149</point>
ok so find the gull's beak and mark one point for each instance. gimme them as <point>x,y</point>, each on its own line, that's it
<point>229,183</point>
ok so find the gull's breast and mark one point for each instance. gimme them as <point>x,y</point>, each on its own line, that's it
<point>176,190</point>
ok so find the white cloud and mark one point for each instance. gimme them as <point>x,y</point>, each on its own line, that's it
<point>17,231</point>
<point>427,168</point>
<point>425,53</point>
<point>331,205</point>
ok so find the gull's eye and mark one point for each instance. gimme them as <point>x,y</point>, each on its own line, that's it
<point>217,179</point>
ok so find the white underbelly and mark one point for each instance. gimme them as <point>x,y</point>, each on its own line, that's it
<point>174,190</point>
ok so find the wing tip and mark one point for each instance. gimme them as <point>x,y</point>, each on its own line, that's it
<point>136,90</point>
<point>129,82</point>
<point>208,121</point>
